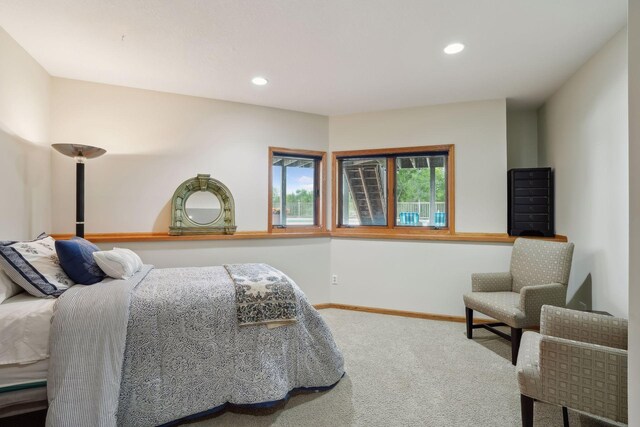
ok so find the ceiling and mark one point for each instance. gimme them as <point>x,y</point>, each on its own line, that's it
<point>328,57</point>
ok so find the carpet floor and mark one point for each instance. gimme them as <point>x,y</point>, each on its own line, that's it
<point>410,372</point>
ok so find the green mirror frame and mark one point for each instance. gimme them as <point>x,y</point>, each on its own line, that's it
<point>182,225</point>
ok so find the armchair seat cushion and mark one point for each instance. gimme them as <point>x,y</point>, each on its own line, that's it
<point>503,306</point>
<point>528,366</point>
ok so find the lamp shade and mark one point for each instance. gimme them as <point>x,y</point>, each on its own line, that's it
<point>79,150</point>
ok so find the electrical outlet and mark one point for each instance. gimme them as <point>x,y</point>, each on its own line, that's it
<point>334,279</point>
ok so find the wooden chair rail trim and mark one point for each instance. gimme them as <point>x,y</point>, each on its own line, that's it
<point>256,235</point>
<point>402,313</point>
<point>453,237</point>
<point>164,237</point>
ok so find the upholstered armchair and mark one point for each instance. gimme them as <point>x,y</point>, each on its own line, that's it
<point>538,275</point>
<point>577,361</point>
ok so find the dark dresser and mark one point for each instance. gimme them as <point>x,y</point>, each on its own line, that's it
<point>530,205</point>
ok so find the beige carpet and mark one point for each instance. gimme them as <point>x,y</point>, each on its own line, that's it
<point>410,372</point>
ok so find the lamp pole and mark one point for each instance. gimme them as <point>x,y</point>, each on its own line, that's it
<point>80,196</point>
<point>80,153</point>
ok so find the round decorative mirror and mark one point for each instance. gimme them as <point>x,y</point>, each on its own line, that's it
<point>203,207</point>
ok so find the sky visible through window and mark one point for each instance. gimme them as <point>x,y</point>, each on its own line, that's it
<point>297,179</point>
<point>300,198</point>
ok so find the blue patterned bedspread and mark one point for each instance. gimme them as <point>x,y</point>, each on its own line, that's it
<point>181,352</point>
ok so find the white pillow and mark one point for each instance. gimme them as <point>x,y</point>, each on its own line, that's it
<point>118,263</point>
<point>8,287</point>
<point>35,266</point>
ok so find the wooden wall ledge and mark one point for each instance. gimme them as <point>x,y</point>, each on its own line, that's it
<point>256,235</point>
<point>165,237</point>
<point>455,237</point>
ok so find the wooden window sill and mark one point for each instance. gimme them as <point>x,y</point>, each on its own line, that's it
<point>297,229</point>
<point>437,235</point>
<point>257,235</point>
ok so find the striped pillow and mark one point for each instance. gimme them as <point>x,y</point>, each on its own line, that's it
<point>34,266</point>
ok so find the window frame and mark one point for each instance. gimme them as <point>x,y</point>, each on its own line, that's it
<point>391,154</point>
<point>320,181</point>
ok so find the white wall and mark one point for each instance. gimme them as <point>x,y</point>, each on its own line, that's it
<point>25,193</point>
<point>634,212</point>
<point>154,142</point>
<point>306,261</point>
<point>522,139</point>
<point>429,276</point>
<point>423,276</point>
<point>584,137</point>
<point>478,130</point>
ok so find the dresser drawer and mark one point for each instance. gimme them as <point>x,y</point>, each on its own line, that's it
<point>531,192</point>
<point>531,174</point>
<point>531,209</point>
<point>531,200</point>
<point>532,218</point>
<point>537,226</point>
<point>532,183</point>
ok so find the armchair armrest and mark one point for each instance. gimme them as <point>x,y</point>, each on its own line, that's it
<point>583,376</point>
<point>491,282</point>
<point>532,298</point>
<point>583,326</point>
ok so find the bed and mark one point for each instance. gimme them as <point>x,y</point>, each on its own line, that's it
<point>24,353</point>
<point>169,345</point>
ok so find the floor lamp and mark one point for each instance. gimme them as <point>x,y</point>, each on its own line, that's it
<point>80,153</point>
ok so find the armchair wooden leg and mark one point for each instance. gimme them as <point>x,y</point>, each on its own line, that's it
<point>565,416</point>
<point>469,314</point>
<point>516,336</point>
<point>526,408</point>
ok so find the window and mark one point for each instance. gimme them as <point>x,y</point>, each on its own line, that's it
<point>296,188</point>
<point>364,191</point>
<point>404,189</point>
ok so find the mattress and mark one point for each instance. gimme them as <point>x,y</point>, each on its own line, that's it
<point>22,376</point>
<point>24,353</point>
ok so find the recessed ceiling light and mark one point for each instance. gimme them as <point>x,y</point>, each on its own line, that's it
<point>259,81</point>
<point>454,48</point>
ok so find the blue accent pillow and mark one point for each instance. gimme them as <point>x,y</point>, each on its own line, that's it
<point>76,259</point>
